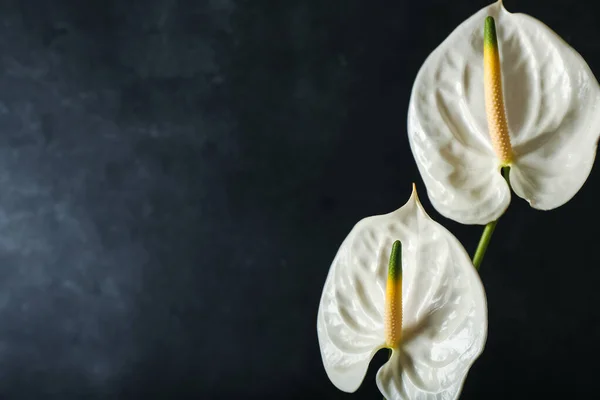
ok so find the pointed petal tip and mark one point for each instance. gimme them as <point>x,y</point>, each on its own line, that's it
<point>500,5</point>
<point>414,197</point>
<point>414,192</point>
<point>414,201</point>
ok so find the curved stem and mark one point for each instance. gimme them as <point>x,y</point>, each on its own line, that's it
<point>484,243</point>
<point>488,231</point>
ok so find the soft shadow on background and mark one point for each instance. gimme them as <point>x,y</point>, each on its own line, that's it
<point>177,177</point>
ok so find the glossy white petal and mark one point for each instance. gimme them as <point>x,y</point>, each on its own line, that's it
<point>444,307</point>
<point>552,106</point>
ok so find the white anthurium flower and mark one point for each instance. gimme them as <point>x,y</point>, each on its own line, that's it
<point>402,281</point>
<point>546,130</point>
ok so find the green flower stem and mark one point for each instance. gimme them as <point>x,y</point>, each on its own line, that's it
<point>484,243</point>
<point>488,231</point>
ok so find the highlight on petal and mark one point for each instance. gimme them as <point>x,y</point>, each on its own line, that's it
<point>444,324</point>
<point>552,104</point>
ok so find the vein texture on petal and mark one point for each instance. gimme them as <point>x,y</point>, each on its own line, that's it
<point>444,315</point>
<point>552,103</point>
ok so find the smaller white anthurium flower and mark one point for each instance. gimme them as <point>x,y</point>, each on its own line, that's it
<point>462,131</point>
<point>402,281</point>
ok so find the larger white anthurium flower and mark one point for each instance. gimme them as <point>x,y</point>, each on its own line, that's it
<point>404,282</point>
<point>462,131</point>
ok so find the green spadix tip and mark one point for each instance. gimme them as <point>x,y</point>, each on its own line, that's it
<point>395,267</point>
<point>489,32</point>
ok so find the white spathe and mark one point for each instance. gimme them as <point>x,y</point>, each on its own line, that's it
<point>444,308</point>
<point>552,105</point>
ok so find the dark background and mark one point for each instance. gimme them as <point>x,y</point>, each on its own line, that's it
<point>176,177</point>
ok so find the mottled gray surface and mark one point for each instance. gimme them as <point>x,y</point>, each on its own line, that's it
<point>112,162</point>
<point>176,177</point>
